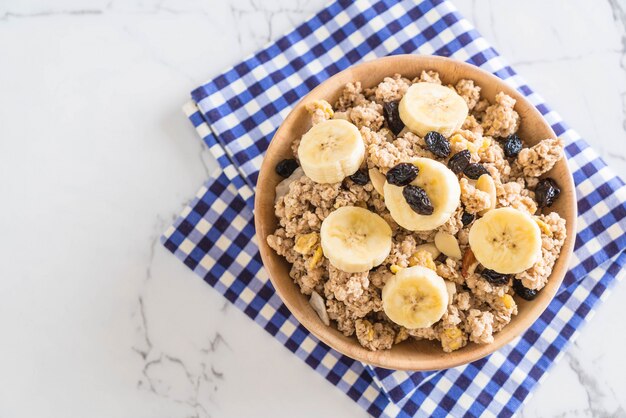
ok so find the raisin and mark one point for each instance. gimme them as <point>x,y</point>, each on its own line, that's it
<point>494,277</point>
<point>437,144</point>
<point>512,146</point>
<point>467,218</point>
<point>392,116</point>
<point>475,170</point>
<point>441,258</point>
<point>459,161</point>
<point>418,200</point>
<point>361,177</point>
<point>523,292</point>
<point>402,174</point>
<point>546,192</point>
<point>286,167</point>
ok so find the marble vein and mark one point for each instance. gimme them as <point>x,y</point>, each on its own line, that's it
<point>144,346</point>
<point>110,7</point>
<point>170,376</point>
<point>155,383</point>
<point>615,155</point>
<point>597,392</point>
<point>155,56</point>
<point>50,13</point>
<point>243,12</point>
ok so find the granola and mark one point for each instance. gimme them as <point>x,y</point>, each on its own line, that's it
<point>477,305</point>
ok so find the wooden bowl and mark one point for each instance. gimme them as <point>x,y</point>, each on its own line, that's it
<point>411,354</point>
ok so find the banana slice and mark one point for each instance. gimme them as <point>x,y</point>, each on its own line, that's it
<point>416,297</point>
<point>354,239</point>
<point>506,240</point>
<point>331,150</point>
<point>486,184</point>
<point>441,186</point>
<point>378,180</point>
<point>431,107</point>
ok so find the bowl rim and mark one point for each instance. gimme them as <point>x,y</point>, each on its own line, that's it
<point>446,360</point>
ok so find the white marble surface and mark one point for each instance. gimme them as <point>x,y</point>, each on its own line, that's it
<point>96,160</point>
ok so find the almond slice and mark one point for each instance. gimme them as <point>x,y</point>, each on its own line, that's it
<point>318,305</point>
<point>447,244</point>
<point>451,288</point>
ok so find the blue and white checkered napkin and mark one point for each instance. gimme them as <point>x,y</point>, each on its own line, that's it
<point>237,113</point>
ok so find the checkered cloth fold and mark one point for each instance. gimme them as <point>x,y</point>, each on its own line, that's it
<point>236,114</point>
